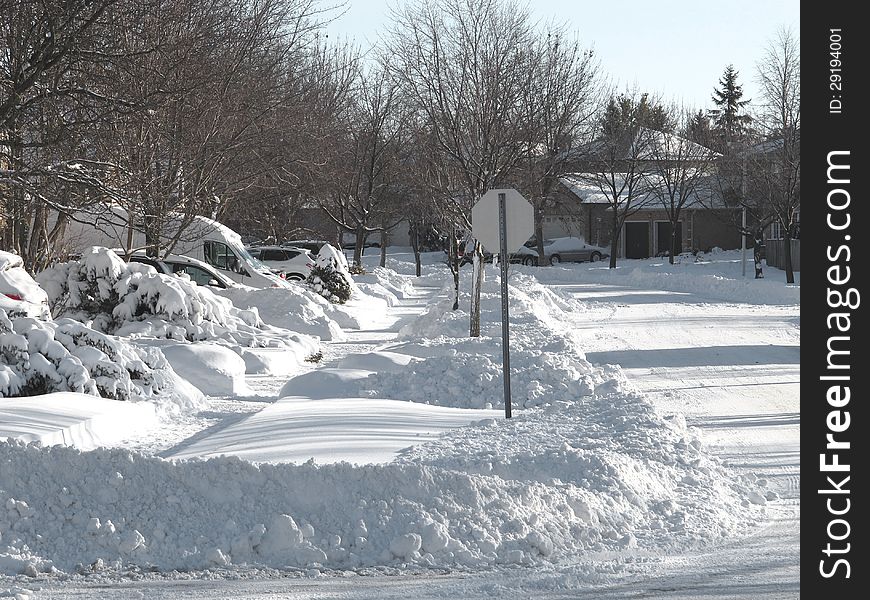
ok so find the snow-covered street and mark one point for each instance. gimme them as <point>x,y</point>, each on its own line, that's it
<point>721,376</point>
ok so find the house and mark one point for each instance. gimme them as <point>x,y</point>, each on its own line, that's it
<point>705,221</point>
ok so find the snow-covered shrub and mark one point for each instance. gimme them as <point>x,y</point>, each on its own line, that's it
<point>135,300</point>
<point>38,357</point>
<point>330,277</point>
<point>330,284</point>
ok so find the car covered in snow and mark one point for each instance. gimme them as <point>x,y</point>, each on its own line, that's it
<point>290,262</point>
<point>559,250</point>
<point>19,293</point>
<point>199,272</point>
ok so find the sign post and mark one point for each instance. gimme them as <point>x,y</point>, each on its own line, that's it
<point>503,261</point>
<point>503,220</point>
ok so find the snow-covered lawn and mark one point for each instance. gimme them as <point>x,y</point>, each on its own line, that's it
<point>656,426</point>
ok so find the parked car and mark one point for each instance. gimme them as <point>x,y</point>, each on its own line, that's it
<point>199,272</point>
<point>19,293</point>
<point>313,246</point>
<point>558,250</point>
<point>290,262</point>
<point>203,239</point>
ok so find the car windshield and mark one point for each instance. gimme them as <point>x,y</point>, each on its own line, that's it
<point>246,256</point>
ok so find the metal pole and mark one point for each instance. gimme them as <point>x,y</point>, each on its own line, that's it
<point>743,244</point>
<point>743,233</point>
<point>503,261</point>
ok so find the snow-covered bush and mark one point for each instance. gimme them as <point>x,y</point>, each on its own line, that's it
<point>134,300</point>
<point>38,357</point>
<point>330,277</point>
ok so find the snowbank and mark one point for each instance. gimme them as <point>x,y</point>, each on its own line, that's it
<point>72,419</point>
<point>443,366</point>
<point>551,484</point>
<point>297,309</point>
<point>330,430</point>
<point>214,370</point>
<point>715,275</point>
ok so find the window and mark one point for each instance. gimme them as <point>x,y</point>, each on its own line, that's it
<point>278,254</point>
<point>220,255</point>
<point>776,232</point>
<point>201,276</point>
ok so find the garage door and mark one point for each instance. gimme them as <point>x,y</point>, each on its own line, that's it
<point>637,240</point>
<point>663,238</point>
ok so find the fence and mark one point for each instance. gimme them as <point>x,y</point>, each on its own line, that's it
<point>775,250</point>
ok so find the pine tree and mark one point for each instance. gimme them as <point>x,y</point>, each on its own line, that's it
<point>730,125</point>
<point>699,130</point>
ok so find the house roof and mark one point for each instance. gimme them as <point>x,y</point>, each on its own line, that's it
<point>649,144</point>
<point>585,188</point>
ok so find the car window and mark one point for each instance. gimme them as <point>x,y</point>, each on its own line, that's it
<point>201,276</point>
<point>197,274</point>
<point>220,255</point>
<point>272,254</point>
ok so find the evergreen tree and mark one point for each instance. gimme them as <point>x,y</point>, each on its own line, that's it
<point>730,125</point>
<point>699,129</point>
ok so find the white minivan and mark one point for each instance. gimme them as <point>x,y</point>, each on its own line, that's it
<point>202,238</point>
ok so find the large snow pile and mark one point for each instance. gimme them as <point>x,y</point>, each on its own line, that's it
<point>41,357</point>
<point>134,300</point>
<point>297,309</point>
<point>452,369</point>
<point>549,485</point>
<point>585,467</point>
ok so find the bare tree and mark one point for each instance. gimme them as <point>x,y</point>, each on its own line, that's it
<point>54,66</point>
<point>680,173</point>
<point>618,161</point>
<point>202,76</point>
<point>560,103</point>
<point>464,65</point>
<point>776,169</point>
<point>361,199</point>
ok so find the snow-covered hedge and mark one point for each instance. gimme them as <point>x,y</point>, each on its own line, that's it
<point>134,300</point>
<point>38,357</point>
<point>330,277</point>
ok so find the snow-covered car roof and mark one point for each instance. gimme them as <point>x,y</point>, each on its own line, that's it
<point>9,260</point>
<point>18,290</point>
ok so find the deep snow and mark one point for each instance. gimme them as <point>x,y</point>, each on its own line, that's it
<point>588,468</point>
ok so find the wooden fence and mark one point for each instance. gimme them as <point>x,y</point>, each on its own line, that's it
<point>775,251</point>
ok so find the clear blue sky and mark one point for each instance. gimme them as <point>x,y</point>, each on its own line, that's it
<point>675,48</point>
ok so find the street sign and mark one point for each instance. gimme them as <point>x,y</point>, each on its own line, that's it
<point>502,220</point>
<point>519,220</point>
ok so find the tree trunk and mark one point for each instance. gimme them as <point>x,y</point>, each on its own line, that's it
<point>384,240</point>
<point>789,269</point>
<point>539,234</point>
<point>415,246</point>
<point>358,247</point>
<point>476,284</point>
<point>674,242</point>
<point>614,240</point>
